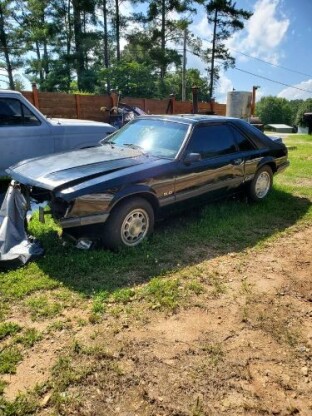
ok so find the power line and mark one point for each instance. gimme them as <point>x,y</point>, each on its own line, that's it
<point>270,63</point>
<point>262,77</point>
<point>271,80</point>
<point>267,62</point>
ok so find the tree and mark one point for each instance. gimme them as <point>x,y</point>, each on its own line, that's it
<point>193,77</point>
<point>294,106</point>
<point>305,107</point>
<point>274,110</point>
<point>104,6</point>
<point>62,66</point>
<point>132,79</point>
<point>159,29</point>
<point>226,20</point>
<point>35,25</point>
<point>11,45</point>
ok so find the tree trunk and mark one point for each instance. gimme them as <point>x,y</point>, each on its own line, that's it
<point>106,58</point>
<point>117,30</point>
<point>3,41</point>
<point>163,36</point>
<point>80,64</point>
<point>68,25</point>
<point>213,55</point>
<point>184,66</point>
<point>41,76</point>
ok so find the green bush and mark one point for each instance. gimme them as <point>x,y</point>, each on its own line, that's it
<point>305,107</point>
<point>274,110</point>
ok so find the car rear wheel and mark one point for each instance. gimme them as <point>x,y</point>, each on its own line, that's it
<point>261,184</point>
<point>129,223</point>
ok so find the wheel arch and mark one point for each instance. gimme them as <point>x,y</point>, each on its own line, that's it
<point>268,162</point>
<point>144,194</point>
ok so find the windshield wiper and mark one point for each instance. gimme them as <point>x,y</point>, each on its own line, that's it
<point>136,147</point>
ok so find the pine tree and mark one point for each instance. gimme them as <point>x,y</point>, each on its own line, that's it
<point>11,45</point>
<point>226,19</point>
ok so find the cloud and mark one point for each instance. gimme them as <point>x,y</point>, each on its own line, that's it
<point>223,87</point>
<point>263,32</point>
<point>293,94</point>
<point>202,30</point>
<point>126,8</point>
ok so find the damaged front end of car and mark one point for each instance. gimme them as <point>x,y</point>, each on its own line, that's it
<point>81,216</point>
<point>77,187</point>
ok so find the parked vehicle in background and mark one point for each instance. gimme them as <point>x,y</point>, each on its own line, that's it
<point>26,133</point>
<point>116,191</point>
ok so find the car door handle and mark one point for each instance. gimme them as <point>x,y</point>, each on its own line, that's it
<point>237,161</point>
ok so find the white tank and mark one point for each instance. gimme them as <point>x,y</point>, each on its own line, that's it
<point>239,104</point>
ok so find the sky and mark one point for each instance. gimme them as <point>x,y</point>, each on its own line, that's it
<point>280,33</point>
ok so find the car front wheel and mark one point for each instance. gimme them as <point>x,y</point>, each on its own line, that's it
<point>261,184</point>
<point>129,223</point>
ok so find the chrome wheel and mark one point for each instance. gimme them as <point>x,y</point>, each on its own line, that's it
<point>263,184</point>
<point>135,226</point>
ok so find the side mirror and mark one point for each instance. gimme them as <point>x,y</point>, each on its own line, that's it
<point>191,158</point>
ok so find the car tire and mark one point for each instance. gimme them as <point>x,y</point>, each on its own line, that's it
<point>129,224</point>
<point>261,184</point>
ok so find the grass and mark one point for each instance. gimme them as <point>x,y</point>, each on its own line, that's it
<point>9,358</point>
<point>29,337</point>
<point>162,274</point>
<point>222,226</point>
<point>8,329</point>
<point>162,293</point>
<point>41,307</point>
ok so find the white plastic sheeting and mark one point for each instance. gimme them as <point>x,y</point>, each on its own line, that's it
<point>15,244</point>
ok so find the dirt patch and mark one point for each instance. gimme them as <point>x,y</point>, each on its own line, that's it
<point>242,350</point>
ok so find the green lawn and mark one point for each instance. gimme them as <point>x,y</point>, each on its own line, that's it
<point>223,226</point>
<point>95,280</point>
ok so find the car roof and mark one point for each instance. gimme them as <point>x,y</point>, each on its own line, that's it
<point>189,118</point>
<point>11,92</point>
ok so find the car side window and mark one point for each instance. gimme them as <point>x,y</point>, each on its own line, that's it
<point>212,141</point>
<point>243,143</point>
<point>14,113</point>
<point>29,117</point>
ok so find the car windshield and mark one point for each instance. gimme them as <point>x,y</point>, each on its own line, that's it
<point>161,138</point>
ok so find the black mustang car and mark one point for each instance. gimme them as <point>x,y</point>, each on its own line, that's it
<point>117,190</point>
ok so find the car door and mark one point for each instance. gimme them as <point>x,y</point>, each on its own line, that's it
<point>22,134</point>
<point>219,167</point>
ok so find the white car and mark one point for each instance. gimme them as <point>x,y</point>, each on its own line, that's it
<point>26,133</point>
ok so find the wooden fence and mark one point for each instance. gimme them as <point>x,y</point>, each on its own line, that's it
<point>92,107</point>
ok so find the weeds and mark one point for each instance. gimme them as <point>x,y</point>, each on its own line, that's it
<point>41,307</point>
<point>215,353</point>
<point>8,329</point>
<point>29,337</point>
<point>23,405</point>
<point>162,293</point>
<point>9,358</point>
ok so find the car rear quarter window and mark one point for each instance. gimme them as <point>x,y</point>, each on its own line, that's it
<point>212,141</point>
<point>243,142</point>
<point>14,113</point>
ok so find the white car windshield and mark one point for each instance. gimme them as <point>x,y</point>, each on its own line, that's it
<point>161,138</point>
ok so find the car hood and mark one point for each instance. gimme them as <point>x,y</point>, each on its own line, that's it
<point>77,122</point>
<point>51,172</point>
